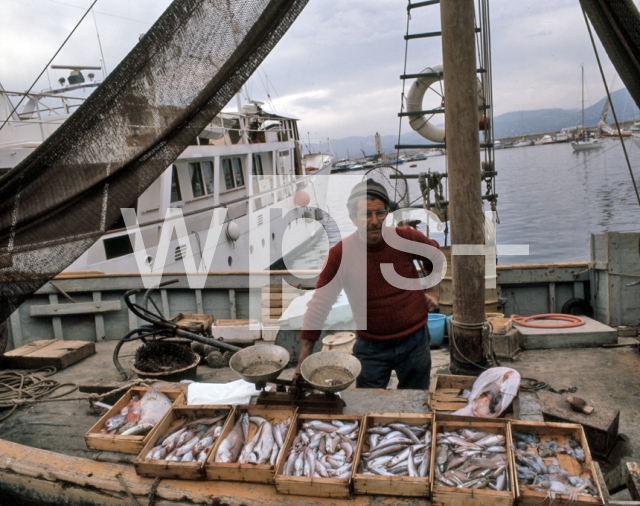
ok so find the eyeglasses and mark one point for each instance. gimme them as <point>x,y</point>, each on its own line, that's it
<point>380,215</point>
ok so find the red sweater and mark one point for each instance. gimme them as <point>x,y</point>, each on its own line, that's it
<point>386,313</point>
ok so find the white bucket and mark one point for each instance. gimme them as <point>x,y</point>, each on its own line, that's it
<point>342,341</point>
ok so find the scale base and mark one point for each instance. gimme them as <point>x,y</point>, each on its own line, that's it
<point>308,403</point>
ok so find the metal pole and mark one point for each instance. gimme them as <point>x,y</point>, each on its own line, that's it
<point>463,149</point>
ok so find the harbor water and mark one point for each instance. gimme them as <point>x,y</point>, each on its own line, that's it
<point>549,198</point>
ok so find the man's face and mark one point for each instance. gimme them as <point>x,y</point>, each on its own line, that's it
<point>369,227</point>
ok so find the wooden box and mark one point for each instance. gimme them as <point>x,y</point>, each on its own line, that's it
<point>464,496</point>
<point>445,389</point>
<point>181,470</point>
<point>500,325</point>
<point>275,300</point>
<point>558,431</point>
<point>237,331</point>
<point>192,322</point>
<point>254,473</point>
<point>389,485</point>
<point>127,444</point>
<point>49,352</point>
<point>317,487</point>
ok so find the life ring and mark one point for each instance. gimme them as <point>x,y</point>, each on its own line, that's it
<point>414,103</point>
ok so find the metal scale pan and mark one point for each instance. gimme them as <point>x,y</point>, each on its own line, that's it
<point>322,375</point>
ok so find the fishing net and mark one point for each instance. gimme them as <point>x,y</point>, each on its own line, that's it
<point>67,193</point>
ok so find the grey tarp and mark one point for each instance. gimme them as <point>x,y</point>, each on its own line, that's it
<point>65,195</point>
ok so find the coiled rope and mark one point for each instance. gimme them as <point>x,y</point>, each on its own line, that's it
<point>18,388</point>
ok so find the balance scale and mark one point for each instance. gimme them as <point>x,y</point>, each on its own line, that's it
<point>262,364</point>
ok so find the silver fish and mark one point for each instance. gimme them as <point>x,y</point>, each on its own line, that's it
<point>265,444</point>
<point>230,447</point>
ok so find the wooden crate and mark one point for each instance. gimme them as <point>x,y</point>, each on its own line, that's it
<point>444,391</point>
<point>441,495</point>
<point>390,485</point>
<point>559,431</point>
<point>127,444</point>
<point>181,470</point>
<point>50,352</point>
<point>193,322</point>
<point>275,300</point>
<point>318,487</point>
<point>263,473</point>
<point>500,325</point>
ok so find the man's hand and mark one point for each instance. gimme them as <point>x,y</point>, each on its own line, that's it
<point>432,295</point>
<point>306,349</point>
<point>432,302</point>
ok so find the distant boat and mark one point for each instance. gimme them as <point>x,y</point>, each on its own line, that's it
<point>397,161</point>
<point>562,136</point>
<point>585,143</point>
<point>522,142</point>
<point>498,145</point>
<point>547,139</point>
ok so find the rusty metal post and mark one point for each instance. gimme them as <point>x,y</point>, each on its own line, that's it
<point>463,150</point>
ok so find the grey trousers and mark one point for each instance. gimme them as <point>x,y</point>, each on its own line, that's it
<point>409,358</point>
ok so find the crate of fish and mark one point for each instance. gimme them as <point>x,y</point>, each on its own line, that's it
<point>394,455</point>
<point>251,444</point>
<point>553,464</point>
<point>183,442</point>
<point>319,456</point>
<point>471,462</point>
<point>129,425</point>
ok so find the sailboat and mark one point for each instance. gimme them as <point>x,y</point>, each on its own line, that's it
<point>585,143</point>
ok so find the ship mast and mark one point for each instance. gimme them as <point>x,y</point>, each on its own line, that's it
<point>463,149</point>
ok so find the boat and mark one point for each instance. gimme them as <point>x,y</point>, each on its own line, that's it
<point>244,162</point>
<point>498,145</point>
<point>546,139</point>
<point>522,143</point>
<point>563,136</point>
<point>585,142</point>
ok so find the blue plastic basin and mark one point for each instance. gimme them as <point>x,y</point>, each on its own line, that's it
<point>436,327</point>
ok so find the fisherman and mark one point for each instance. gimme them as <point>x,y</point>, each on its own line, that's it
<point>391,321</point>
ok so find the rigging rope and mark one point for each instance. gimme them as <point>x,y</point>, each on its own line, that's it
<point>615,116</point>
<point>47,65</point>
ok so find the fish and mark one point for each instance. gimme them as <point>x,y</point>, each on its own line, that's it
<point>153,406</point>
<point>471,459</point>
<point>492,393</point>
<point>178,443</point>
<point>538,469</point>
<point>264,447</point>
<point>307,458</point>
<point>231,446</point>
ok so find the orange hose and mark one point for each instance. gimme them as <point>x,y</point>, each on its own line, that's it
<point>572,321</point>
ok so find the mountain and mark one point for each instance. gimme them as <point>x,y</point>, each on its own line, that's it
<point>511,124</point>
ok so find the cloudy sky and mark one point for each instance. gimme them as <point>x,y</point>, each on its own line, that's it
<point>338,66</point>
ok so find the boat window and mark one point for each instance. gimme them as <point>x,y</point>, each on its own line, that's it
<point>228,173</point>
<point>207,172</point>
<point>196,179</point>
<point>237,170</point>
<point>115,247</point>
<point>257,165</point>
<point>176,195</point>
